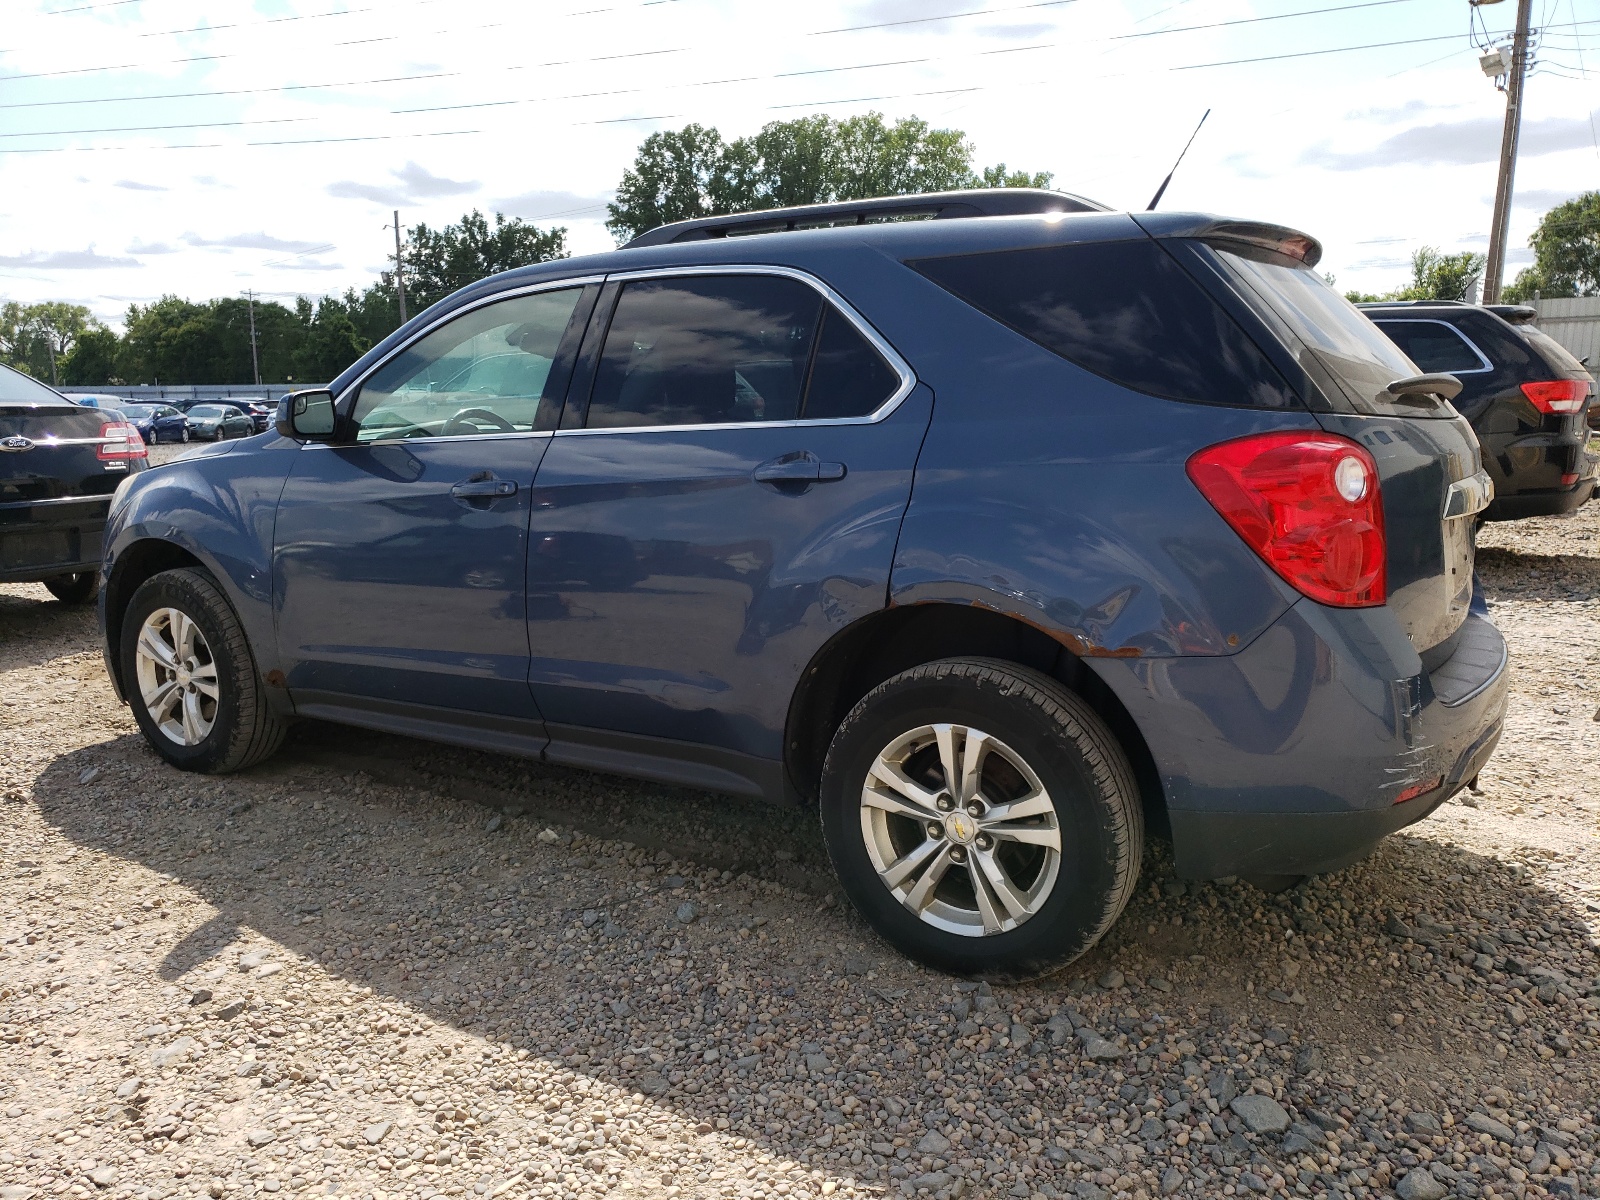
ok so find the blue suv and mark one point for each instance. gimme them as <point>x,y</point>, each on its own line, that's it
<point>1000,538</point>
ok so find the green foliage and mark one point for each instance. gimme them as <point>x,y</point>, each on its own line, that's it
<point>1566,253</point>
<point>682,174</point>
<point>440,261</point>
<point>36,338</point>
<point>997,176</point>
<point>93,361</point>
<point>1434,276</point>
<point>180,341</point>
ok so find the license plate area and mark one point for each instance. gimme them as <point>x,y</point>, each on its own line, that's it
<point>43,549</point>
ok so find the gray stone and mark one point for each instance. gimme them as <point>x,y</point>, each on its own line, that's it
<point>1085,1189</point>
<point>201,996</point>
<point>1260,1114</point>
<point>1222,1088</point>
<point>1295,1143</point>
<point>933,1142</point>
<point>1483,1123</point>
<point>591,917</point>
<point>229,1010</point>
<point>1111,979</point>
<point>1424,1124</point>
<point>933,1181</point>
<point>1151,1129</point>
<point>818,1062</point>
<point>1418,1184</point>
<point>171,1056</point>
<point>17,1191</point>
<point>129,1088</point>
<point>1307,1059</point>
<point>687,912</point>
<point>1096,1047</point>
<point>493,824</point>
<point>1171,1181</point>
<point>252,960</point>
<point>261,1137</point>
<point>375,1133</point>
<point>103,1176</point>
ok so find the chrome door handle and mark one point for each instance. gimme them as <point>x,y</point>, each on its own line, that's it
<point>480,489</point>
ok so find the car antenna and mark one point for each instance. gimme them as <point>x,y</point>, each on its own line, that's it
<point>1162,190</point>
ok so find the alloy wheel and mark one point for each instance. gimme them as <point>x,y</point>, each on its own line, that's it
<point>960,830</point>
<point>177,676</point>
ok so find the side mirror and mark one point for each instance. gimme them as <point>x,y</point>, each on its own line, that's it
<point>307,416</point>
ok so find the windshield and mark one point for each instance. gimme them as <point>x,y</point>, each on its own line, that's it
<point>1335,333</point>
<point>205,410</point>
<point>139,410</point>
<point>14,385</point>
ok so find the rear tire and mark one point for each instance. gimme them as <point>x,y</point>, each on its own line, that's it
<point>1054,872</point>
<point>74,589</point>
<point>190,677</point>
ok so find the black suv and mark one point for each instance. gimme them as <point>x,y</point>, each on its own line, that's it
<point>59,465</point>
<point>1523,392</point>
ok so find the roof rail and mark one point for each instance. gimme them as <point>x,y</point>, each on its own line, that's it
<point>976,202</point>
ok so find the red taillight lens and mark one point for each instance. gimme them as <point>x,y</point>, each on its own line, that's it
<point>1307,503</point>
<point>1557,395</point>
<point>124,442</point>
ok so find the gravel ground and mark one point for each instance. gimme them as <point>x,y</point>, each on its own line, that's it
<point>374,967</point>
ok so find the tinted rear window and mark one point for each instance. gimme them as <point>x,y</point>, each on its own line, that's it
<point>1558,355</point>
<point>1124,310</point>
<point>1349,347</point>
<point>1433,345</point>
<point>14,385</point>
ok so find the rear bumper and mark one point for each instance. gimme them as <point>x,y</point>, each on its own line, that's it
<point>1288,757</point>
<point>1540,504</point>
<point>45,538</point>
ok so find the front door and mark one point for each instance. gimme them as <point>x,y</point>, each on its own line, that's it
<point>401,550</point>
<point>728,499</point>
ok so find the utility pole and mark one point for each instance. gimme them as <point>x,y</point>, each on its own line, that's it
<point>1498,234</point>
<point>255,360</point>
<point>399,268</point>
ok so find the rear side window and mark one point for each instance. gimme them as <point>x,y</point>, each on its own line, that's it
<point>1305,309</point>
<point>732,349</point>
<point>1434,346</point>
<point>1124,310</point>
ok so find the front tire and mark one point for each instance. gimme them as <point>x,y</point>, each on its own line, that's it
<point>191,678</point>
<point>982,818</point>
<point>74,589</point>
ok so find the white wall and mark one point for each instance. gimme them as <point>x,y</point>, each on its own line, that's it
<point>1576,325</point>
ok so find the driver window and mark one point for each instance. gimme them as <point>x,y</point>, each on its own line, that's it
<point>482,373</point>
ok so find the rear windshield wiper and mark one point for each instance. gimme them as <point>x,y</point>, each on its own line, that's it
<point>1445,386</point>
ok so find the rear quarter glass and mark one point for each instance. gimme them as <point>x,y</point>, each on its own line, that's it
<point>1126,310</point>
<point>1561,360</point>
<point>1316,322</point>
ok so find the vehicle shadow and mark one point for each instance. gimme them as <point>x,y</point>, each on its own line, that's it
<point>1515,574</point>
<point>565,938</point>
<point>36,628</point>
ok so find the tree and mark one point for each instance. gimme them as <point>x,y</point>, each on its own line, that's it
<point>997,177</point>
<point>1566,252</point>
<point>1434,276</point>
<point>93,361</point>
<point>59,326</point>
<point>440,261</point>
<point>331,343</point>
<point>679,175</point>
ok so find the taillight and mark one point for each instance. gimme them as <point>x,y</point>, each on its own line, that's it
<point>123,442</point>
<point>1307,503</point>
<point>1557,395</point>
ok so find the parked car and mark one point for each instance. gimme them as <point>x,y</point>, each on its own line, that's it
<point>1185,543</point>
<point>95,400</point>
<point>216,422</point>
<point>59,464</point>
<point>260,414</point>
<point>157,422</point>
<point>1526,396</point>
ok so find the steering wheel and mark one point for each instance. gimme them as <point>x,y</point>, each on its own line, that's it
<point>463,422</point>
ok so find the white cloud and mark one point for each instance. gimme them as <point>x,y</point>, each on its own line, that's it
<point>412,183</point>
<point>133,185</point>
<point>251,241</point>
<point>67,260</point>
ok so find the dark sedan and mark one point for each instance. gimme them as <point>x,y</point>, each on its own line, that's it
<point>214,422</point>
<point>157,422</point>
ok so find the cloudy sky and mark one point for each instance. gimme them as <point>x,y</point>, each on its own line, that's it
<point>207,147</point>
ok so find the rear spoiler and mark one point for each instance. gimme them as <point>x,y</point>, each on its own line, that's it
<point>1278,238</point>
<point>1516,314</point>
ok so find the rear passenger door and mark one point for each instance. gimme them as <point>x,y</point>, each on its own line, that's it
<point>723,496</point>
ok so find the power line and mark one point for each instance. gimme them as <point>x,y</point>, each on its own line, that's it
<point>976,12</point>
<point>171,62</point>
<point>157,128</point>
<point>287,87</point>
